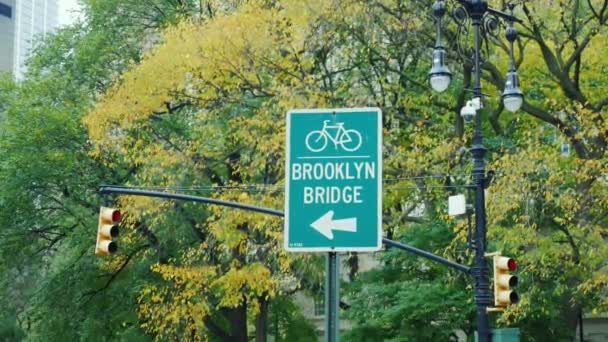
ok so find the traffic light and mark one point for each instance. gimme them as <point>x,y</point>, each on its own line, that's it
<point>107,229</point>
<point>504,282</point>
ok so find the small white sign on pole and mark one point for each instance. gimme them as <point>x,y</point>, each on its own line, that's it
<point>457,205</point>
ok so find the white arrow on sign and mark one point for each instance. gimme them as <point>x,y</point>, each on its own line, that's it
<point>326,225</point>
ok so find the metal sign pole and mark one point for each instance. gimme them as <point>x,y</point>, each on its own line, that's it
<point>332,299</point>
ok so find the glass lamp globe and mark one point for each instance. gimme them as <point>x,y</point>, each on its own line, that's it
<point>512,97</point>
<point>439,76</point>
<point>439,82</point>
<point>513,102</point>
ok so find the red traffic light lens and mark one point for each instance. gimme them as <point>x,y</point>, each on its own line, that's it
<point>116,215</point>
<point>512,264</point>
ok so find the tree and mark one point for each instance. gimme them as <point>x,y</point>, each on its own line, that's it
<point>287,323</point>
<point>208,119</point>
<point>48,179</point>
<point>212,118</point>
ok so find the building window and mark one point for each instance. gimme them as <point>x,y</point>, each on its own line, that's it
<point>6,10</point>
<point>319,306</point>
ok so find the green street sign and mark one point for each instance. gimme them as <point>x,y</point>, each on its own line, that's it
<point>333,190</point>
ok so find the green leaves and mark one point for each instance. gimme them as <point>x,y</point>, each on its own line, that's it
<point>409,298</point>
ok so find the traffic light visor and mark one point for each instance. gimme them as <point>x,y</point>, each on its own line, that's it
<point>110,215</point>
<point>108,247</point>
<point>506,264</point>
<point>507,297</point>
<point>109,230</point>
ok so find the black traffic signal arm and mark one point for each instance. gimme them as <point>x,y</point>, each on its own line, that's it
<point>147,193</point>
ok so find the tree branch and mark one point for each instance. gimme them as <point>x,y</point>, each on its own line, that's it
<point>113,276</point>
<point>575,250</point>
<point>153,242</point>
<point>538,113</point>
<point>494,117</point>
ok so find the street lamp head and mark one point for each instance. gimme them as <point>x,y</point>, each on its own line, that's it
<point>439,9</point>
<point>512,97</point>
<point>439,76</point>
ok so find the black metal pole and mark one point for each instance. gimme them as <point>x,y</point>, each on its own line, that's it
<point>477,9</point>
<point>581,335</point>
<point>427,255</point>
<point>106,189</point>
<point>160,194</point>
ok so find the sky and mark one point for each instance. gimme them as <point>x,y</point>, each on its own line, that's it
<point>68,11</point>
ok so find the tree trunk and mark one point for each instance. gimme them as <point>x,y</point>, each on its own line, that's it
<point>238,322</point>
<point>236,319</point>
<point>571,318</point>
<point>261,321</point>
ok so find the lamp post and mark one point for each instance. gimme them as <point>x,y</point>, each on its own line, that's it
<point>480,17</point>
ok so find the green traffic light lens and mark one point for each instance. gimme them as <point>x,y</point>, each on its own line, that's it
<point>514,297</point>
<point>112,247</point>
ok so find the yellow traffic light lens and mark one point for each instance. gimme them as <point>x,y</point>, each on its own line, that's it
<point>108,231</point>
<point>114,231</point>
<point>513,281</point>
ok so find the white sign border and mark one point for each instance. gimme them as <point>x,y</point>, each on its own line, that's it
<point>291,112</point>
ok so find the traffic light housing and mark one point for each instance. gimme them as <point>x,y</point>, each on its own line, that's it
<point>106,230</point>
<point>504,281</point>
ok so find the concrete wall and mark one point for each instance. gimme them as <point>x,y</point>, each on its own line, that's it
<point>595,329</point>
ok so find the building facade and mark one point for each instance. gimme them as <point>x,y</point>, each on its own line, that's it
<point>7,33</point>
<point>22,22</point>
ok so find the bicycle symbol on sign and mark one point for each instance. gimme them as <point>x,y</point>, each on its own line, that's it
<point>348,139</point>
